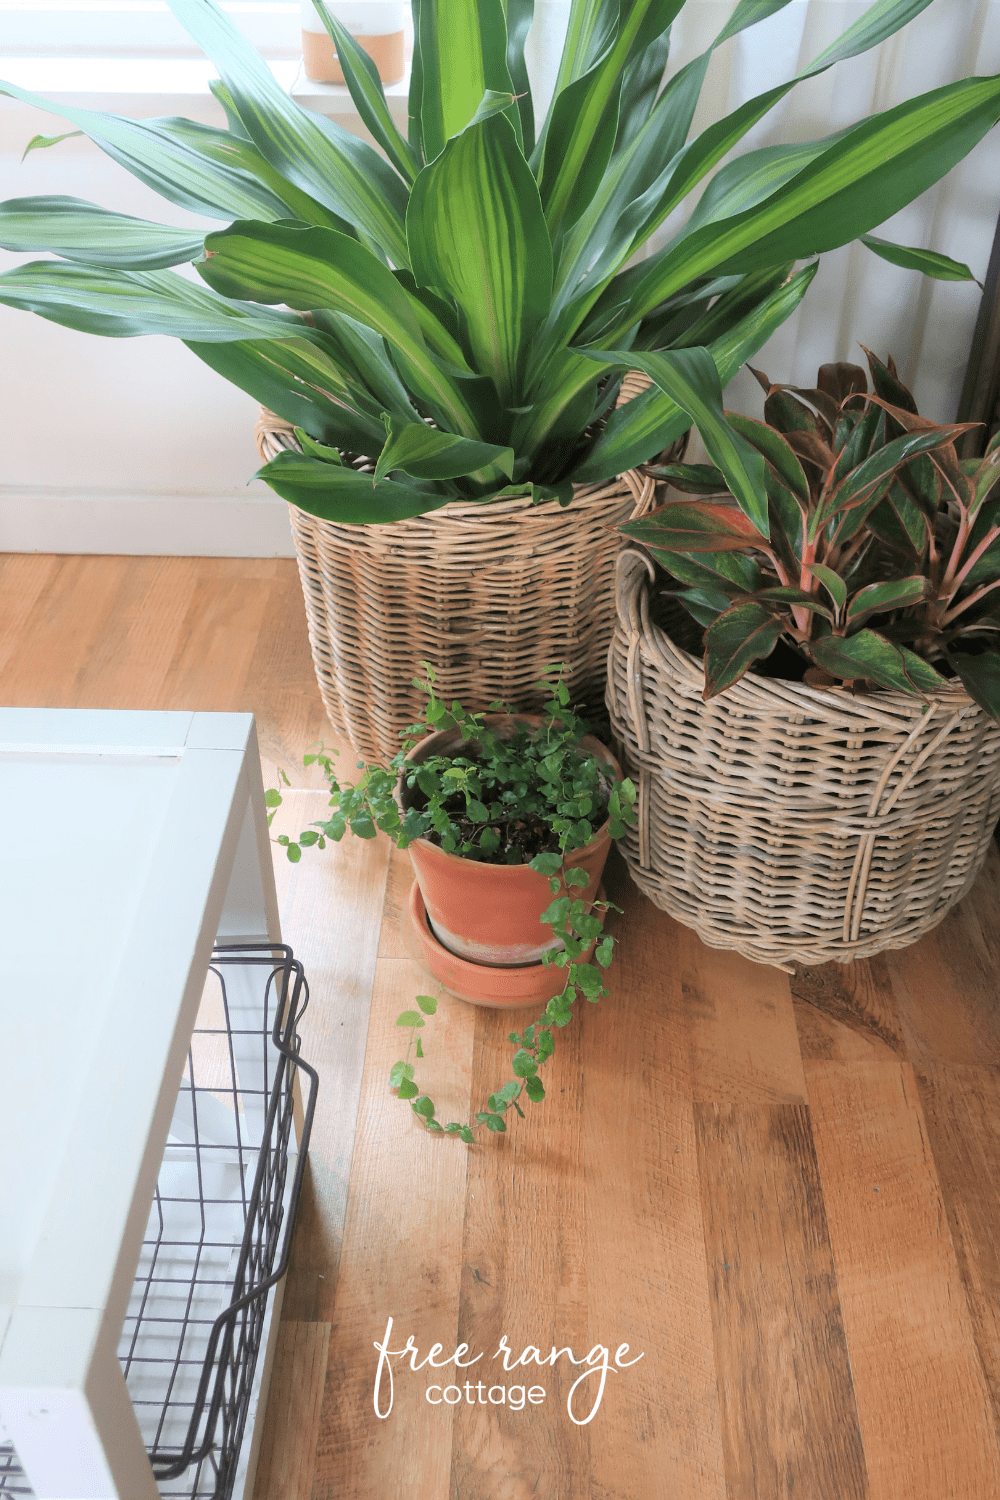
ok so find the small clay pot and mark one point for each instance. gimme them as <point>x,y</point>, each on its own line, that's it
<point>489,914</point>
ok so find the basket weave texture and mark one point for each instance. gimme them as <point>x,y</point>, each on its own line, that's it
<point>794,824</point>
<point>490,595</point>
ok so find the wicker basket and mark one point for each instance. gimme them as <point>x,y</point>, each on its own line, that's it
<point>793,824</point>
<point>490,595</point>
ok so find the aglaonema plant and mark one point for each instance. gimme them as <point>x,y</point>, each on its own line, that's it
<point>449,317</point>
<point>531,796</point>
<point>880,558</point>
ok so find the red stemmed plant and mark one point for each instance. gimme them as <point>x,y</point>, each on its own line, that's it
<point>882,563</point>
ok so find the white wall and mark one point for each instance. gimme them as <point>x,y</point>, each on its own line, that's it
<point>132,445</point>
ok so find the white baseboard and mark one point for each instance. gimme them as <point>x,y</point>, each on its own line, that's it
<point>143,525</point>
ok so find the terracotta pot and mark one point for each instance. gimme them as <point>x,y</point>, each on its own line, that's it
<point>499,987</point>
<point>489,914</point>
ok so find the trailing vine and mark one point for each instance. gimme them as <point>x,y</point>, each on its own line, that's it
<point>531,797</point>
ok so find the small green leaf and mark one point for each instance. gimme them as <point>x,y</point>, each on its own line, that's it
<point>399,1072</point>
<point>433,1125</point>
<point>495,1123</point>
<point>576,876</point>
<point>739,637</point>
<point>408,1090</point>
<point>831,581</point>
<point>272,797</point>
<point>546,864</point>
<point>410,1018</point>
<point>534,1089</point>
<point>308,838</point>
<point>555,886</point>
<point>428,1004</point>
<point>523,1064</point>
<point>509,1092</point>
<point>466,1135</point>
<point>294,853</point>
<point>423,1106</point>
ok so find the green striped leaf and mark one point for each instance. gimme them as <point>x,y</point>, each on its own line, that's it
<point>651,422</point>
<point>125,304</point>
<point>899,593</point>
<point>690,378</point>
<point>362,78</point>
<point>81,231</point>
<point>583,120</point>
<point>167,163</point>
<point>463,53</point>
<point>476,232</point>
<point>298,382</point>
<point>420,451</point>
<point>341,494</point>
<point>928,262</point>
<point>865,176</point>
<point>342,172</point>
<point>319,268</point>
<point>518,15</point>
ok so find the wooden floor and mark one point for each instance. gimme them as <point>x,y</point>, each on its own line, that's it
<point>781,1192</point>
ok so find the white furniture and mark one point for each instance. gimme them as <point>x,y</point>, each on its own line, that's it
<point>132,843</point>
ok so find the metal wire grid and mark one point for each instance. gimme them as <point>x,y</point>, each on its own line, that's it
<point>196,1315</point>
<point>12,1480</point>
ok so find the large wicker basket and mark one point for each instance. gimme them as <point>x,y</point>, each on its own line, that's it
<point>490,595</point>
<point>793,824</point>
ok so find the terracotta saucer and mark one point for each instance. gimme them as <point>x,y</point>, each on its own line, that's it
<point>480,984</point>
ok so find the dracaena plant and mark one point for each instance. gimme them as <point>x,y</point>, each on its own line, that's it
<point>879,561</point>
<point>459,306</point>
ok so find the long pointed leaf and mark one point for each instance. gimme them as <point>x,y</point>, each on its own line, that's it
<point>695,526</point>
<point>342,172</point>
<point>647,425</point>
<point>81,231</point>
<point>171,167</point>
<point>362,78</point>
<point>739,637</point>
<point>340,494</point>
<point>420,451</point>
<point>912,258</point>
<point>463,53</point>
<point>476,231</point>
<point>868,654</point>
<point>126,304</point>
<point>319,268</point>
<point>870,172</point>
<point>689,377</point>
<point>519,15</point>
<point>295,380</point>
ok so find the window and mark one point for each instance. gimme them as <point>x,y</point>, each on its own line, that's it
<point>134,28</point>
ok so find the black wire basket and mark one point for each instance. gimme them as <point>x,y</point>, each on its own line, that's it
<point>219,1231</point>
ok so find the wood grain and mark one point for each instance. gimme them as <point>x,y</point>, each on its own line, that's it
<point>946,985</point>
<point>848,1012</point>
<point>922,1397</point>
<point>961,1108</point>
<point>331,909</point>
<point>789,1416</point>
<point>291,1424</point>
<point>709,1114</point>
<point>402,1258</point>
<point>741,1025</point>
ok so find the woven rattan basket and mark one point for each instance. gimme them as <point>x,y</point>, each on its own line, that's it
<point>488,594</point>
<point>793,824</point>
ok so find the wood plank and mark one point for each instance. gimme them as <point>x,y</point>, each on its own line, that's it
<point>24,582</point>
<point>73,615</point>
<point>961,1108</point>
<point>946,984</point>
<point>845,1012</point>
<point>331,908</point>
<point>291,1422</point>
<point>789,1417</point>
<point>566,1247</point>
<point>741,1025</point>
<point>402,1258</point>
<point>922,1397</point>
